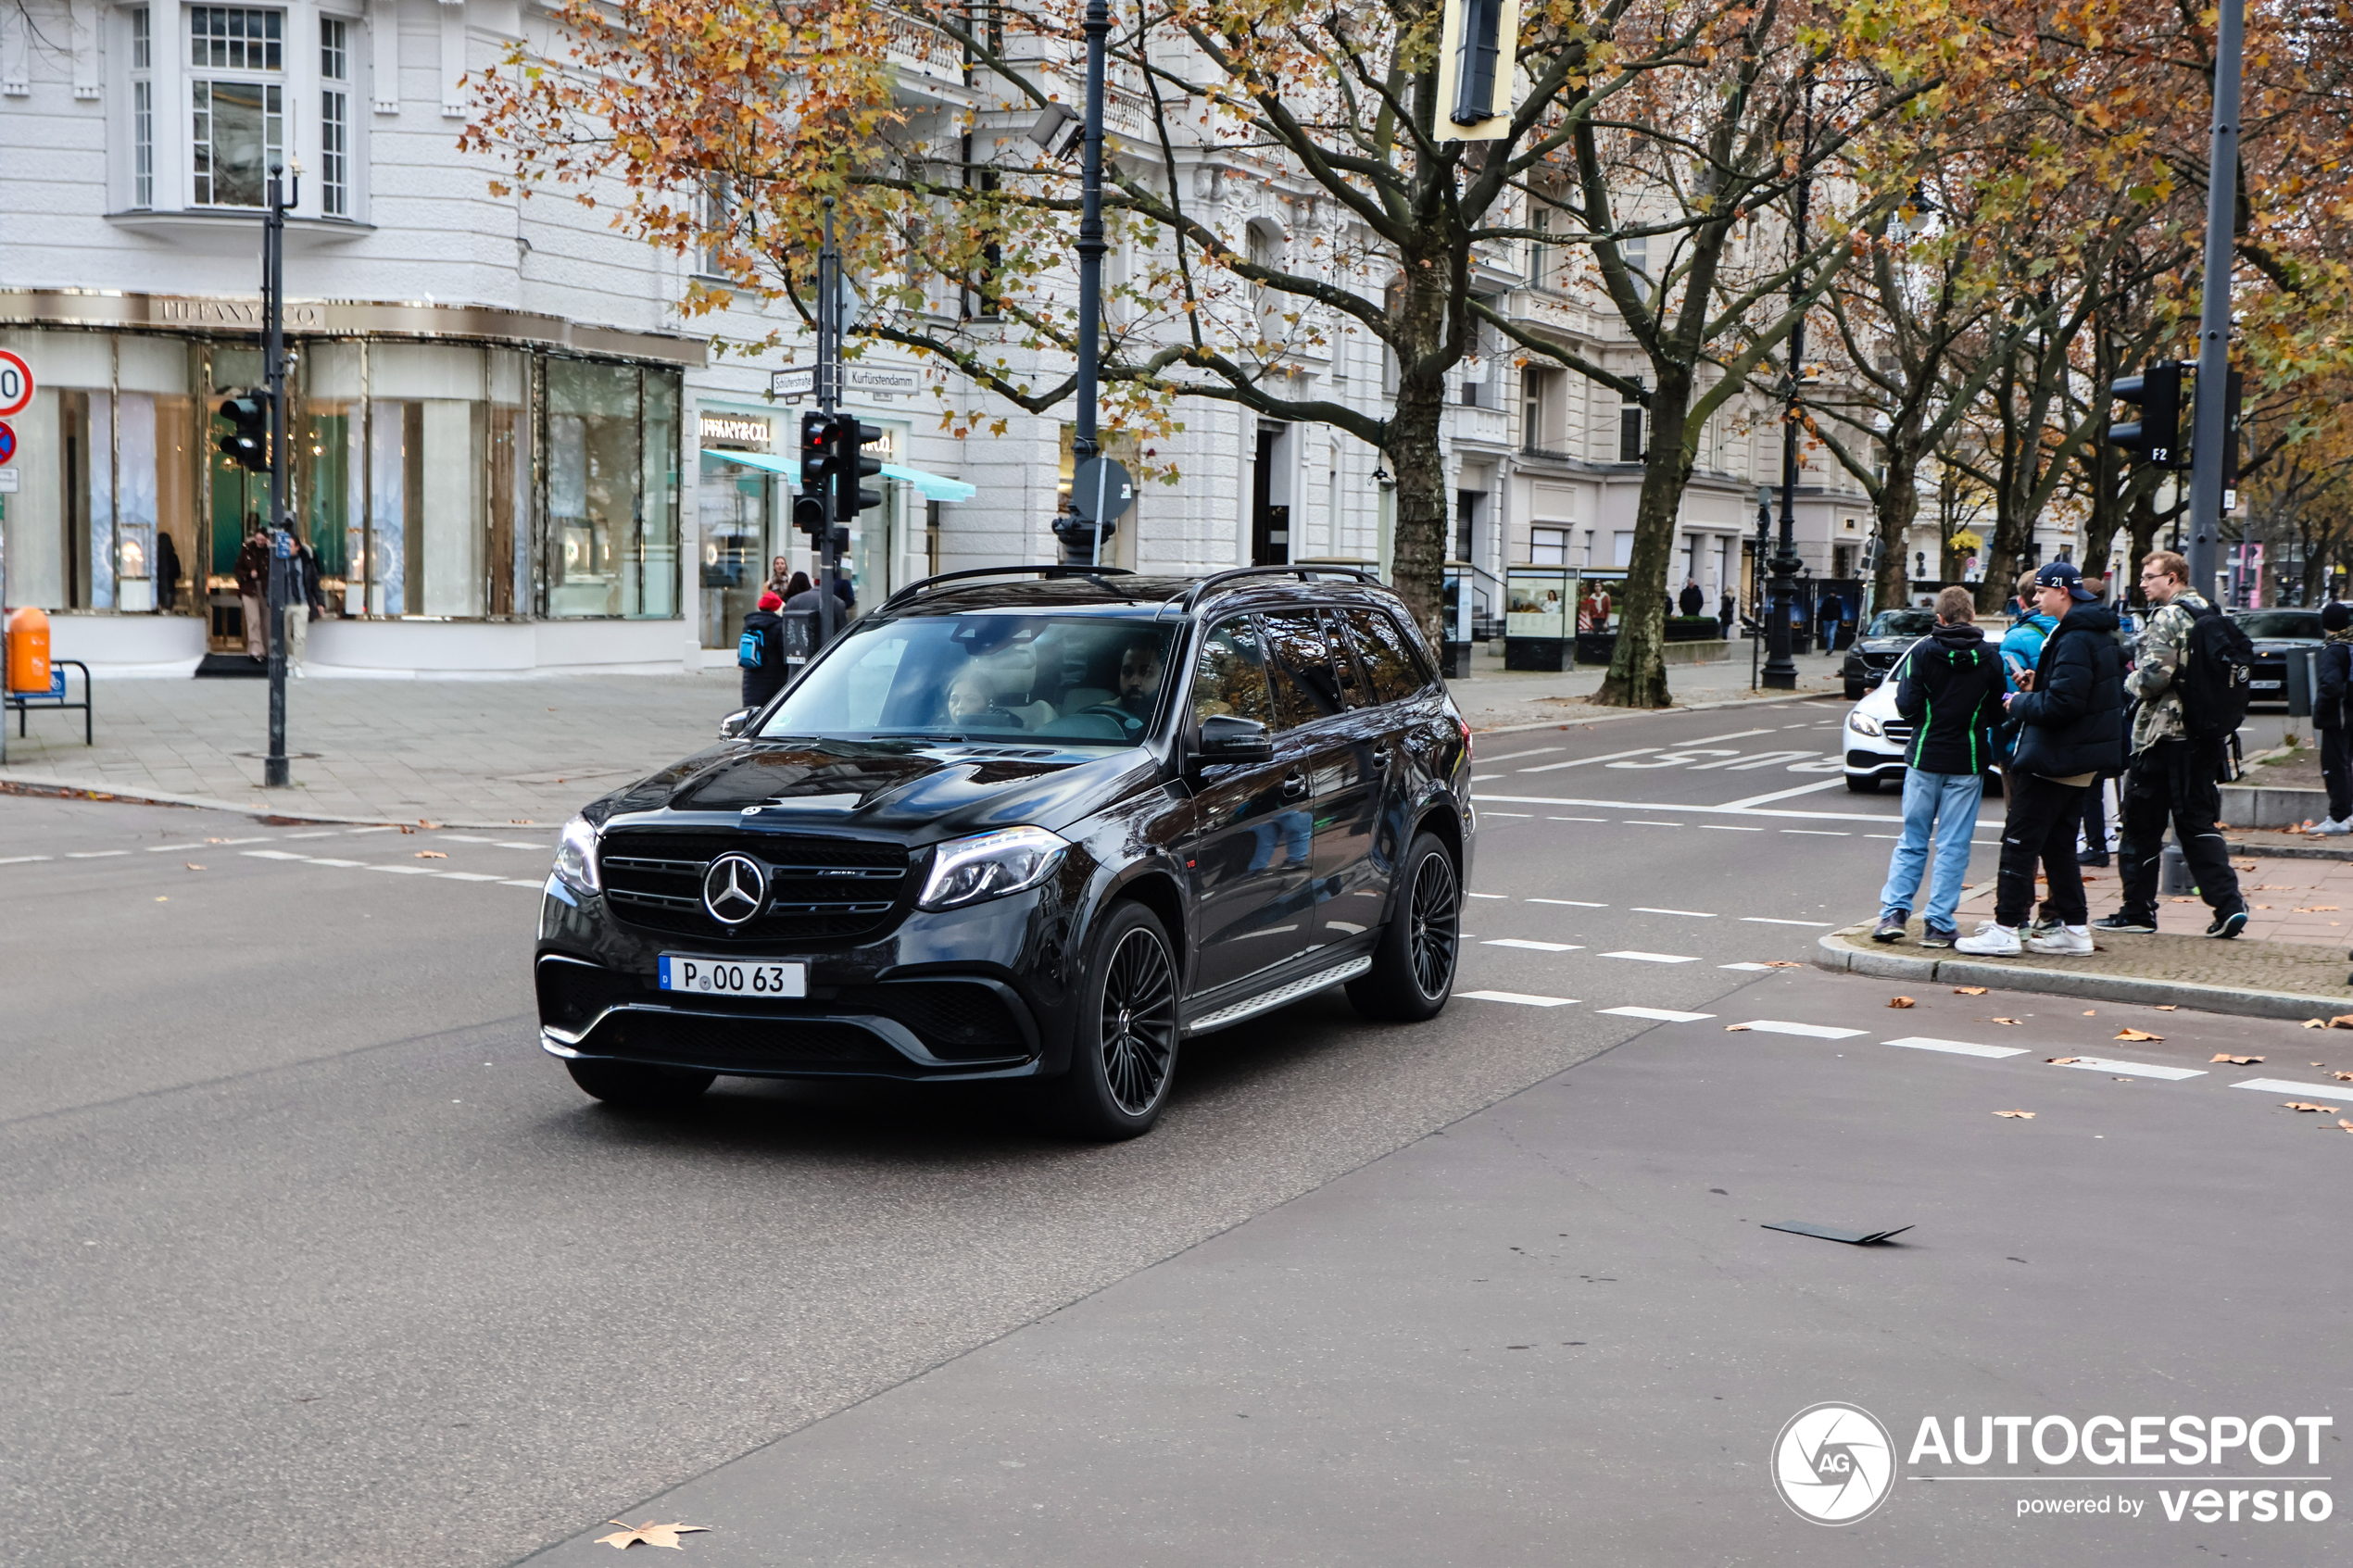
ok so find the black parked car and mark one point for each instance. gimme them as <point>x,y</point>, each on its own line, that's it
<point>1031,823</point>
<point>2276,634</point>
<point>1874,653</point>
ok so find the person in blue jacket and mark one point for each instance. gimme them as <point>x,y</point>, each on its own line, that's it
<point>2022,644</point>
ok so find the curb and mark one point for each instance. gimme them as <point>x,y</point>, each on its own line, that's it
<point>1608,715</point>
<point>76,789</point>
<point>2293,851</point>
<point>1834,955</point>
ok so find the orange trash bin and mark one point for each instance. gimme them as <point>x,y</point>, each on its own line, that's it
<point>28,649</point>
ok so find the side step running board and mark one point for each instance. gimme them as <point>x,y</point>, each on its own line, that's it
<point>1279,997</point>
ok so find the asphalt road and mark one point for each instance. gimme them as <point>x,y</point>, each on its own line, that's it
<point>311,1257</point>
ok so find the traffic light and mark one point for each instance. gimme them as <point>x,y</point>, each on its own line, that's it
<point>247,443</point>
<point>2232,390</point>
<point>810,515</point>
<point>2156,437</point>
<point>847,463</point>
<point>1475,42</point>
<point>816,457</point>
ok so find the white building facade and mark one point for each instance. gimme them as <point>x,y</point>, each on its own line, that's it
<point>513,453</point>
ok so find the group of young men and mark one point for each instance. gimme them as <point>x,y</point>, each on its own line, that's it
<point>2056,708</point>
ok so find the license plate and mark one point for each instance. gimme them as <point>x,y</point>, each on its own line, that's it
<point>2265,685</point>
<point>733,977</point>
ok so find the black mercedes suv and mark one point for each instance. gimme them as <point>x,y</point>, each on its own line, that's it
<point>1029,823</point>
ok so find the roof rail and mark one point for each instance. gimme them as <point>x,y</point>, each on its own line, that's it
<point>1305,573</point>
<point>1092,573</point>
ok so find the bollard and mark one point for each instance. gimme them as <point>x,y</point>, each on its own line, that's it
<point>2173,872</point>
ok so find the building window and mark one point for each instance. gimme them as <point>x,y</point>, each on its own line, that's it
<point>1630,426</point>
<point>238,124</point>
<point>1548,547</point>
<point>335,118</point>
<point>1540,255</point>
<point>231,38</point>
<point>143,112</point>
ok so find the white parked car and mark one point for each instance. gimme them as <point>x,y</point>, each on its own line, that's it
<point>1877,738</point>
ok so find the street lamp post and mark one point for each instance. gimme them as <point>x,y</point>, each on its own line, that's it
<point>1756,573</point>
<point>1084,444</point>
<point>275,769</point>
<point>1780,670</point>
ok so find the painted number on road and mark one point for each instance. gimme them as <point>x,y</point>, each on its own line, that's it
<point>16,384</point>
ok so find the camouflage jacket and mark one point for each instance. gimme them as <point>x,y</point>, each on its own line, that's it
<point>2155,662</point>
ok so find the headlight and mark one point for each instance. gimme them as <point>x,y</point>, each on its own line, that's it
<point>988,865</point>
<point>1863,724</point>
<point>576,855</point>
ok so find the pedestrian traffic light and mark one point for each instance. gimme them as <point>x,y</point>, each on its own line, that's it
<point>847,463</point>
<point>2156,437</point>
<point>815,455</point>
<point>247,443</point>
<point>811,514</point>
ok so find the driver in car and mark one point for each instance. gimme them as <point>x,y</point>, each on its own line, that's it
<point>1140,677</point>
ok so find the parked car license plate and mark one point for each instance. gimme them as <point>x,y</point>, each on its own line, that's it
<point>2265,685</point>
<point>732,977</point>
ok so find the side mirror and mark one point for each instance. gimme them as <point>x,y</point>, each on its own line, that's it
<point>736,723</point>
<point>1226,737</point>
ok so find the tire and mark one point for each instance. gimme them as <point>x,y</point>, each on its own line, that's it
<point>1123,1053</point>
<point>1414,963</point>
<point>1862,786</point>
<point>1857,691</point>
<point>637,1085</point>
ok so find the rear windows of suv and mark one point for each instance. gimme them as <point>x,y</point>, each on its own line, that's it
<point>1390,660</point>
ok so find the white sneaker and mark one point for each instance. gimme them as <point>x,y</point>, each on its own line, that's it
<point>2074,941</point>
<point>2325,828</point>
<point>1991,941</point>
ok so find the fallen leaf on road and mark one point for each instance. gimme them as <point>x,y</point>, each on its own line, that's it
<point>1968,990</point>
<point>525,821</point>
<point>2344,1124</point>
<point>2318,910</point>
<point>2061,1060</point>
<point>2091,1012</point>
<point>406,828</point>
<point>424,823</point>
<point>650,1534</point>
<point>2243,865</point>
<point>2267,906</point>
<point>431,855</point>
<point>2315,1023</point>
<point>1735,1028</point>
<point>2008,1021</point>
<point>2184,900</point>
<point>2120,1080</point>
<point>2234,1060</point>
<point>216,840</point>
<point>2021,1115</point>
<point>2343,1077</point>
<point>2165,1007</point>
<point>1782,963</point>
<point>2301,1105</point>
<point>2128,1033</point>
<point>1901,1002</point>
<point>2342,1020</point>
<point>193,867</point>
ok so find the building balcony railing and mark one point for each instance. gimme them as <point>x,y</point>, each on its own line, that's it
<point>1550,454</point>
<point>928,49</point>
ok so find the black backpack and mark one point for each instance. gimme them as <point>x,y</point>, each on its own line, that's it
<point>2217,676</point>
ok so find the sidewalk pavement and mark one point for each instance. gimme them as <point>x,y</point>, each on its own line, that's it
<point>492,753</point>
<point>2291,961</point>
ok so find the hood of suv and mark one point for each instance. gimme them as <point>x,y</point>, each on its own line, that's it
<point>916,791</point>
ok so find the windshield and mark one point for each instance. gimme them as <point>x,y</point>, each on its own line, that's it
<point>2281,623</point>
<point>1075,680</point>
<point>1903,623</point>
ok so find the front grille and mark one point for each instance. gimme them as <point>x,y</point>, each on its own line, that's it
<point>1898,732</point>
<point>740,1044</point>
<point>1870,761</point>
<point>819,889</point>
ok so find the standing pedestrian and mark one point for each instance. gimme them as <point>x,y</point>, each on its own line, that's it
<point>2022,644</point>
<point>2335,683</point>
<point>2071,726</point>
<point>760,652</point>
<point>251,570</point>
<point>1833,611</point>
<point>306,601</point>
<point>2174,773</point>
<point>780,571</point>
<point>167,571</point>
<point>1948,686</point>
<point>1691,600</point>
<point>1725,613</point>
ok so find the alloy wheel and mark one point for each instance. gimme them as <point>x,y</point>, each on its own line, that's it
<point>1139,1021</point>
<point>1434,926</point>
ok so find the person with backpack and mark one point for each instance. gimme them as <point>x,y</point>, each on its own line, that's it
<point>2190,673</point>
<point>2335,683</point>
<point>1948,686</point>
<point>760,652</point>
<point>2070,728</point>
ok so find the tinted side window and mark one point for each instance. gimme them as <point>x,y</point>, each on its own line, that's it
<point>1301,665</point>
<point>1230,675</point>
<point>1386,657</point>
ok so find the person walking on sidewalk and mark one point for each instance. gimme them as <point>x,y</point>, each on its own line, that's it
<point>760,652</point>
<point>2335,683</point>
<point>2070,722</point>
<point>2174,774</point>
<point>1948,686</point>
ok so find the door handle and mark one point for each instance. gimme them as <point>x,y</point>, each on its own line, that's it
<point>1294,786</point>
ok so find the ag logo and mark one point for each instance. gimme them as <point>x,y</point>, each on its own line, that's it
<point>1834,1463</point>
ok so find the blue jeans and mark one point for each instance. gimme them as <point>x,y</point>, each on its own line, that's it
<point>1944,804</point>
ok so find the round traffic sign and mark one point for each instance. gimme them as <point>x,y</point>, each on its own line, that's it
<point>1102,491</point>
<point>8,442</point>
<point>16,384</point>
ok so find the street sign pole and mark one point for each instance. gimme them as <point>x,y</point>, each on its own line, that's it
<point>275,771</point>
<point>828,400</point>
<point>2208,460</point>
<point>16,395</point>
<point>1084,444</point>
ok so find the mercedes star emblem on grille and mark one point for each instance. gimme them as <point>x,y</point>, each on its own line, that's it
<point>734,889</point>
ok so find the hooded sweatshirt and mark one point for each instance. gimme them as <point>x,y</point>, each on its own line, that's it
<point>1949,685</point>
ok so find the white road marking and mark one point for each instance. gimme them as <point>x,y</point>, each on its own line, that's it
<point>1729,827</point>
<point>2283,1087</point>
<point>511,882</point>
<point>1506,897</point>
<point>1525,1001</point>
<point>1838,782</point>
<point>1652,958</point>
<point>1810,1031</point>
<point>1581,761</point>
<point>1955,1048</point>
<point>1769,920</point>
<point>1663,1015</point>
<point>2138,1069</point>
<point>1577,818</point>
<point>473,876</point>
<point>1641,822</point>
<point>1736,734</point>
<point>404,871</point>
<point>385,827</point>
<point>94,854</point>
<point>272,855</point>
<point>1695,914</point>
<point>322,833</point>
<point>256,838</point>
<point>1877,818</point>
<point>322,860</point>
<point>1538,946</point>
<point>509,843</point>
<point>1516,756</point>
<point>467,838</point>
<point>1507,813</point>
<point>1572,903</point>
<point>1818,832</point>
<point>163,849</point>
<point>1744,966</point>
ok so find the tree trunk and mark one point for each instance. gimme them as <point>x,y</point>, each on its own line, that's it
<point>2108,505</point>
<point>1899,504</point>
<point>1417,555</point>
<point>1638,667</point>
<point>2141,522</point>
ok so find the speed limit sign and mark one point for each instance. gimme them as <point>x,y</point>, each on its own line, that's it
<point>16,384</point>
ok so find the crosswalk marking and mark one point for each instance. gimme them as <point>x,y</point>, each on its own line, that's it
<point>1641,822</point>
<point>2138,1069</point>
<point>1809,1031</point>
<point>1663,1015</point>
<point>1519,998</point>
<point>1695,914</point>
<point>322,860</point>
<point>22,860</point>
<point>1654,957</point>
<point>94,854</point>
<point>2284,1086</point>
<point>1539,946</point>
<point>1955,1048</point>
<point>1729,827</point>
<point>272,855</point>
<point>1816,832</point>
<point>1577,818</point>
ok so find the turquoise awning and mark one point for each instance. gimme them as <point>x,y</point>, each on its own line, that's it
<point>935,487</point>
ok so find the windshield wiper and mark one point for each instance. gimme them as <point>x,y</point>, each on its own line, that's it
<point>924,735</point>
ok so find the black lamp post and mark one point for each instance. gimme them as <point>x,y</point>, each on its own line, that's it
<point>1092,246</point>
<point>1781,670</point>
